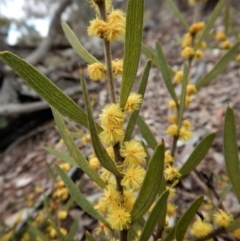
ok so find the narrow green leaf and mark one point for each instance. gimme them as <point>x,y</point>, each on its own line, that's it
<point>157,211</point>
<point>183,97</point>
<point>219,67</point>
<point>59,232</point>
<point>151,55</point>
<point>210,23</point>
<point>185,220</point>
<point>198,154</point>
<point>230,149</point>
<point>45,88</point>
<point>62,156</point>
<point>36,232</point>
<point>146,132</point>
<point>73,230</point>
<point>77,46</point>
<point>89,236</point>
<point>79,197</point>
<point>51,172</point>
<point>98,147</point>
<point>151,183</point>
<point>74,150</point>
<point>177,13</point>
<point>132,47</point>
<point>234,225</point>
<point>227,19</point>
<point>141,90</point>
<point>165,72</point>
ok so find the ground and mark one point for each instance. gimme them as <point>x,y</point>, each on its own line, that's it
<point>23,168</point>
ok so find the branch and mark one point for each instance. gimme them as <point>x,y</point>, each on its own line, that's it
<point>46,44</point>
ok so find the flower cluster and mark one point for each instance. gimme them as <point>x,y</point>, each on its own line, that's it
<point>112,29</point>
<point>222,38</point>
<point>188,42</point>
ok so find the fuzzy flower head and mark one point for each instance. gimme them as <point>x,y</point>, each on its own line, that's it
<point>226,44</point>
<point>133,152</point>
<point>110,152</point>
<point>117,66</point>
<point>187,40</point>
<point>168,159</point>
<point>119,219</point>
<point>112,115</point>
<point>172,119</point>
<point>236,233</point>
<point>115,26</point>
<point>187,53</point>
<point>97,28</point>
<point>222,219</point>
<point>172,174</point>
<point>187,125</point>
<point>171,209</point>
<point>133,177</point>
<point>178,77</point>
<point>191,89</point>
<point>111,197</point>
<point>129,200</point>
<point>97,71</point>
<point>185,134</point>
<point>112,135</point>
<point>94,163</point>
<point>198,55</point>
<point>172,130</point>
<point>201,228</point>
<point>133,102</point>
<point>171,104</point>
<point>220,36</point>
<point>196,28</point>
<point>102,228</point>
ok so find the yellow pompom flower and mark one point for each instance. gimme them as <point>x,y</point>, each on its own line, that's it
<point>238,58</point>
<point>196,27</point>
<point>198,55</point>
<point>203,45</point>
<point>62,214</point>
<point>112,115</point>
<point>171,209</point>
<point>191,89</point>
<point>119,219</point>
<point>133,152</point>
<point>222,218</point>
<point>97,71</point>
<point>65,166</point>
<point>201,228</point>
<point>220,36</point>
<point>115,26</point>
<point>172,130</point>
<point>97,28</point>
<point>187,53</point>
<point>187,40</point>
<point>133,177</point>
<point>94,163</point>
<point>168,159</point>
<point>171,104</point>
<point>112,135</point>
<point>172,119</point>
<point>226,44</point>
<point>112,197</point>
<point>129,200</point>
<point>133,102</point>
<point>185,134</point>
<point>63,231</point>
<point>117,67</point>
<point>187,125</point>
<point>236,233</point>
<point>178,77</point>
<point>187,100</point>
<point>172,174</point>
<point>116,16</point>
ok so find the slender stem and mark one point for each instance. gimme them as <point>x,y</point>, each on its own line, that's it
<point>113,99</point>
<point>174,145</point>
